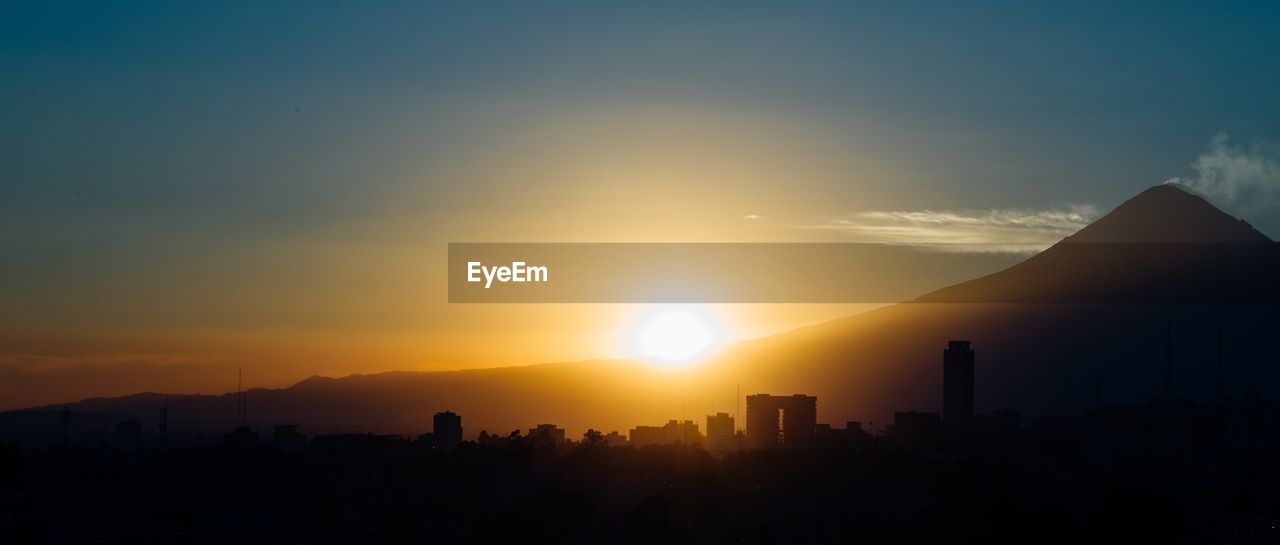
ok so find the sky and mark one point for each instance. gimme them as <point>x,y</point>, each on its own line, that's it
<point>190,187</point>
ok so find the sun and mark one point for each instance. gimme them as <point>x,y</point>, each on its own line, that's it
<point>673,336</point>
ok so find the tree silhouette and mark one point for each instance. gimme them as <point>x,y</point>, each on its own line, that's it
<point>593,438</point>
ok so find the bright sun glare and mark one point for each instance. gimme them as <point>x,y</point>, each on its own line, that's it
<point>673,336</point>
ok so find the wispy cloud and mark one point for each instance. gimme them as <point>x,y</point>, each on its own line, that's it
<point>1235,175</point>
<point>992,230</point>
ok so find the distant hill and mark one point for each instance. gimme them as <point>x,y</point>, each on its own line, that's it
<point>1096,318</point>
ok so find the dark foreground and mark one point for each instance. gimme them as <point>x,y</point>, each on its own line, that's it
<point>1157,474</point>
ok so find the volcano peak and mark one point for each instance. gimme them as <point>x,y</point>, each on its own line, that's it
<point>1168,213</point>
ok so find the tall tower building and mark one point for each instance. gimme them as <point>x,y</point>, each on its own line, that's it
<point>763,428</point>
<point>798,415</point>
<point>446,429</point>
<point>957,388</point>
<point>720,434</point>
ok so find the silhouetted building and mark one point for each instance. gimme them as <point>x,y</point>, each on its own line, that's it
<point>799,415</point>
<point>642,436</point>
<point>615,439</point>
<point>721,438</point>
<point>546,435</point>
<point>957,389</point>
<point>849,436</point>
<point>914,428</point>
<point>674,432</point>
<point>446,430</point>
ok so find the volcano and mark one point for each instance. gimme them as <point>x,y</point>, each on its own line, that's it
<point>1146,302</point>
<point>1159,298</point>
<point>1164,245</point>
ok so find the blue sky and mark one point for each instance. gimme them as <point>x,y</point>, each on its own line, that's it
<point>1003,104</point>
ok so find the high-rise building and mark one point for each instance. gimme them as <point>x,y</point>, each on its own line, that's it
<point>675,432</point>
<point>643,436</point>
<point>720,434</point>
<point>446,430</point>
<point>957,389</point>
<point>799,416</point>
